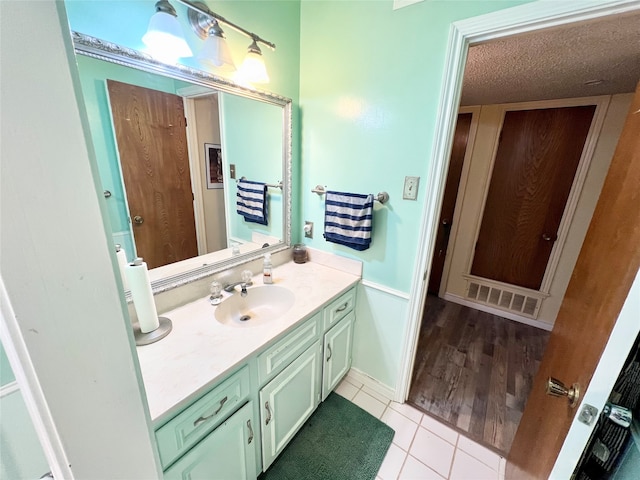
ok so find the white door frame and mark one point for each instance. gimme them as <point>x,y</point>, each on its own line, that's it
<point>30,390</point>
<point>512,21</point>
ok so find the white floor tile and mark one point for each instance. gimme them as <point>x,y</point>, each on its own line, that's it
<point>367,402</point>
<point>414,470</point>
<point>433,451</point>
<point>407,410</point>
<point>376,395</point>
<point>392,464</point>
<point>353,381</point>
<point>347,390</point>
<point>440,429</point>
<point>465,467</point>
<point>479,452</point>
<point>405,429</point>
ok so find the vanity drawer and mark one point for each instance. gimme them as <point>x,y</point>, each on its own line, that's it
<point>186,429</point>
<point>274,359</point>
<point>339,308</point>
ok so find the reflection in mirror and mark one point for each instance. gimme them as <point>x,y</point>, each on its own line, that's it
<point>171,152</point>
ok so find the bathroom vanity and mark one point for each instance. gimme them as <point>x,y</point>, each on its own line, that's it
<point>225,399</point>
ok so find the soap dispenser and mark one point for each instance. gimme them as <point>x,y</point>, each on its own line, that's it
<point>267,277</point>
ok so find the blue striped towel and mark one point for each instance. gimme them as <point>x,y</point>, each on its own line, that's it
<point>347,219</point>
<point>252,201</point>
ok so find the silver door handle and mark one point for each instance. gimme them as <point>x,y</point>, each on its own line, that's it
<point>266,405</point>
<point>204,419</point>
<point>556,388</point>
<point>343,307</point>
<point>138,220</point>
<point>250,432</point>
<point>330,353</point>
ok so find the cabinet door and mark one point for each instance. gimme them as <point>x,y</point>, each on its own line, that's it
<point>287,402</point>
<point>229,452</point>
<point>337,354</point>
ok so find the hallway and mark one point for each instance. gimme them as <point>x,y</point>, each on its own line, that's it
<point>474,371</point>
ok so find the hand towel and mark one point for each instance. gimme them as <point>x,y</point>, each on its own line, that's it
<point>348,219</point>
<point>252,201</point>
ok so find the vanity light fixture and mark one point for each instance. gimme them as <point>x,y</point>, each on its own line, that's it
<point>215,51</point>
<point>164,37</point>
<point>253,69</point>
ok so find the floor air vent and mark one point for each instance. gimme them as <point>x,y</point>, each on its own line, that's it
<point>504,299</point>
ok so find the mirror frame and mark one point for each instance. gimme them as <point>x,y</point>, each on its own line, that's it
<point>110,52</point>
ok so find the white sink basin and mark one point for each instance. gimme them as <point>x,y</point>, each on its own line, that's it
<point>261,305</point>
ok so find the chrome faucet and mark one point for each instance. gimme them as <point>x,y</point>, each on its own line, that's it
<point>244,283</point>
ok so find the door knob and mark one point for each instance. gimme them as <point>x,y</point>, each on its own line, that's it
<point>546,237</point>
<point>138,219</point>
<point>556,388</point>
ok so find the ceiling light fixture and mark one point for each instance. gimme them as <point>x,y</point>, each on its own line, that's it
<point>164,37</point>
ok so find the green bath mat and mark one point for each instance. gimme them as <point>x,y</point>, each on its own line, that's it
<point>339,441</point>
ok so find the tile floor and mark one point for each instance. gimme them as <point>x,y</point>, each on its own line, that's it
<point>423,448</point>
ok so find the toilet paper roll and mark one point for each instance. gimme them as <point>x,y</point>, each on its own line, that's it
<point>140,287</point>
<point>122,264</point>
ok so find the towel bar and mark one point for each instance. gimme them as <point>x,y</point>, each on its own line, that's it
<point>270,185</point>
<point>382,197</point>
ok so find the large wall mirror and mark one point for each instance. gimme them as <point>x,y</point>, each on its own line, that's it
<point>176,149</point>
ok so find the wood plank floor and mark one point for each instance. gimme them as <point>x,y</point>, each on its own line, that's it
<point>474,370</point>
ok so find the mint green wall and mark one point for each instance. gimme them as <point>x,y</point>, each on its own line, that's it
<point>93,76</point>
<point>251,133</point>
<point>370,82</point>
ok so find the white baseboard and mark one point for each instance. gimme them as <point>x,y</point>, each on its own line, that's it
<point>495,311</point>
<point>357,376</point>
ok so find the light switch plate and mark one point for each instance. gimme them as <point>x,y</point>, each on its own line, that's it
<point>410,191</point>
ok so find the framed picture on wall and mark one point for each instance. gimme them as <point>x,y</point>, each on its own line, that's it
<point>213,155</point>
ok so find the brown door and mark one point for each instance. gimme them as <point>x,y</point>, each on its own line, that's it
<point>535,164</point>
<point>605,269</point>
<point>460,139</point>
<point>152,142</point>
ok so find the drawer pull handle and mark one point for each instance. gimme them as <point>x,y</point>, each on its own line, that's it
<point>204,419</point>
<point>330,353</point>
<point>343,307</point>
<point>266,405</point>
<point>250,432</point>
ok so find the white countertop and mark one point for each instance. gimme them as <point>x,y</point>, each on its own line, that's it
<point>199,351</point>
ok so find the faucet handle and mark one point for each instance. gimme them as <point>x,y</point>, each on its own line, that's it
<point>246,276</point>
<point>216,293</point>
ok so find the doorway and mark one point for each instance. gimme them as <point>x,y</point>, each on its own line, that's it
<point>415,308</point>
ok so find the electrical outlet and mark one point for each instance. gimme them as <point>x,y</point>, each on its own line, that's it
<point>308,229</point>
<point>410,191</point>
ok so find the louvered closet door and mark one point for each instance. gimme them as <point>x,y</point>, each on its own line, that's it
<point>535,165</point>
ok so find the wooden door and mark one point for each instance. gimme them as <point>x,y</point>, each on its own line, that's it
<point>535,165</point>
<point>456,161</point>
<point>151,137</point>
<point>605,269</point>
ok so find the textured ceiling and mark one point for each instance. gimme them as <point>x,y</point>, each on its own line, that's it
<point>556,63</point>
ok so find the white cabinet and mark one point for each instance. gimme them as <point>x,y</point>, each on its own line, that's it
<point>229,452</point>
<point>337,353</point>
<point>288,400</point>
<point>287,378</point>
